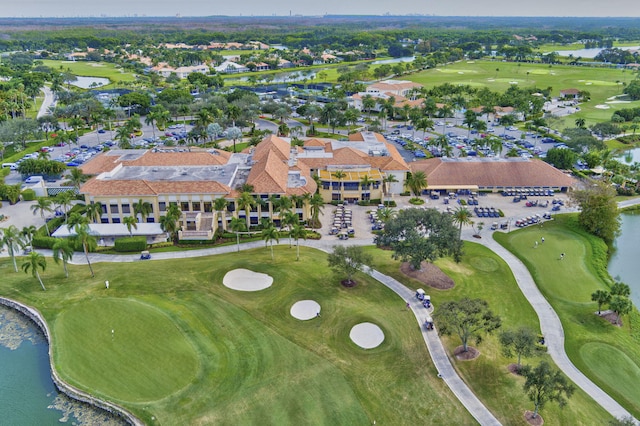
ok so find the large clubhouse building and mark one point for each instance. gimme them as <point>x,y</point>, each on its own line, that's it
<point>365,167</point>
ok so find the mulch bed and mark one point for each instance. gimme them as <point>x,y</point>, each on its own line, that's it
<point>612,317</point>
<point>534,421</point>
<point>429,274</point>
<point>348,283</point>
<point>513,369</point>
<point>471,353</point>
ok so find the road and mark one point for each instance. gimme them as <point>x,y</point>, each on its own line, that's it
<point>48,102</point>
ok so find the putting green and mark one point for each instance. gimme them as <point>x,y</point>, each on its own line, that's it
<point>614,368</point>
<point>116,348</point>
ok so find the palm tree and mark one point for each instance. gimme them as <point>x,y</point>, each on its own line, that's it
<point>246,202</point>
<point>268,235</point>
<point>384,214</point>
<point>316,203</point>
<point>64,200</point>
<point>77,178</point>
<point>289,219</point>
<point>339,174</point>
<point>219,205</point>
<point>93,211</point>
<point>142,208</point>
<point>42,206</point>
<point>83,234</point>
<point>387,181</point>
<point>123,137</point>
<point>416,182</point>
<point>297,232</point>
<point>28,232</point>
<point>580,122</point>
<point>169,224</point>
<point>130,222</point>
<point>12,240</point>
<point>62,251</point>
<point>461,216</point>
<point>33,262</point>
<point>237,225</point>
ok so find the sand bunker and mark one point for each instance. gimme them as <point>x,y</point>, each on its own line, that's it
<point>305,309</point>
<point>513,82</point>
<point>602,106</point>
<point>367,335</point>
<point>246,280</point>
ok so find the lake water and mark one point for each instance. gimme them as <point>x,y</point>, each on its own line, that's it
<point>590,53</point>
<point>395,60</point>
<point>631,156</point>
<point>27,394</point>
<point>623,265</point>
<point>90,82</point>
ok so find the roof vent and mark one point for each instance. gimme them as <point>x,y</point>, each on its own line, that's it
<point>155,169</point>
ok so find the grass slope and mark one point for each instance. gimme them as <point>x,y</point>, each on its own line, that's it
<point>482,274</point>
<point>608,355</point>
<point>247,361</point>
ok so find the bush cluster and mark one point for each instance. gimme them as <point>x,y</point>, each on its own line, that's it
<point>130,244</point>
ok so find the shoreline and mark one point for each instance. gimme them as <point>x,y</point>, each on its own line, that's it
<point>63,387</point>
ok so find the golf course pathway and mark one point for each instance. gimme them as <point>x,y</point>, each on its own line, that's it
<point>552,330</point>
<point>434,345</point>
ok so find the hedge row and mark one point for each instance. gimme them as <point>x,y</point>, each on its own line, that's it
<point>130,244</point>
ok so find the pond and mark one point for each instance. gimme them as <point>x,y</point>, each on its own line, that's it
<point>27,394</point>
<point>630,156</point>
<point>90,82</point>
<point>394,60</point>
<point>590,53</point>
<point>623,265</point>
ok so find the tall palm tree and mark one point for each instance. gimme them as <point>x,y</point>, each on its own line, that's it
<point>43,205</point>
<point>62,251</point>
<point>12,240</point>
<point>169,224</point>
<point>77,178</point>
<point>33,262</point>
<point>387,181</point>
<point>416,182</point>
<point>246,202</point>
<point>270,234</point>
<point>93,211</point>
<point>316,203</point>
<point>83,234</point>
<point>289,219</point>
<point>64,200</point>
<point>461,216</point>
<point>131,223</point>
<point>237,225</point>
<point>340,174</point>
<point>220,205</point>
<point>142,208</point>
<point>28,232</point>
<point>296,233</point>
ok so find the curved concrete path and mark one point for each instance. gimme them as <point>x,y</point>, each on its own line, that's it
<point>551,328</point>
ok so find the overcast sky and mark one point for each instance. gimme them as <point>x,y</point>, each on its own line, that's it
<point>73,8</point>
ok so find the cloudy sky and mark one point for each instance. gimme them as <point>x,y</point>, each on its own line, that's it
<point>72,8</point>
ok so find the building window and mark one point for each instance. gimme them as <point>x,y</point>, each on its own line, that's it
<point>115,220</point>
<point>113,208</point>
<point>335,185</point>
<point>184,206</point>
<point>104,220</point>
<point>335,197</point>
<point>162,206</point>
<point>126,208</point>
<point>104,209</point>
<point>351,186</point>
<point>151,220</point>
<point>325,185</point>
<point>208,207</point>
<point>195,206</point>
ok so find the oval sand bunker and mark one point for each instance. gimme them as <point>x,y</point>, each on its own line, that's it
<point>305,309</point>
<point>246,280</point>
<point>367,335</point>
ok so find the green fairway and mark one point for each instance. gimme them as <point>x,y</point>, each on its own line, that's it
<point>601,83</point>
<point>568,285</point>
<point>93,69</point>
<point>482,274</point>
<point>187,350</point>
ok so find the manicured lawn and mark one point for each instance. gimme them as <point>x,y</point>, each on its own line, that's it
<point>602,83</point>
<point>93,69</point>
<point>187,350</point>
<point>482,274</point>
<point>609,355</point>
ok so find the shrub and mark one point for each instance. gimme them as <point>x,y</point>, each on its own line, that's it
<point>391,203</point>
<point>405,194</point>
<point>28,195</point>
<point>416,201</point>
<point>42,241</point>
<point>130,244</point>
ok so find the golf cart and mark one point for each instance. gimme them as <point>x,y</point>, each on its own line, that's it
<point>420,294</point>
<point>428,323</point>
<point>145,255</point>
<point>426,302</point>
